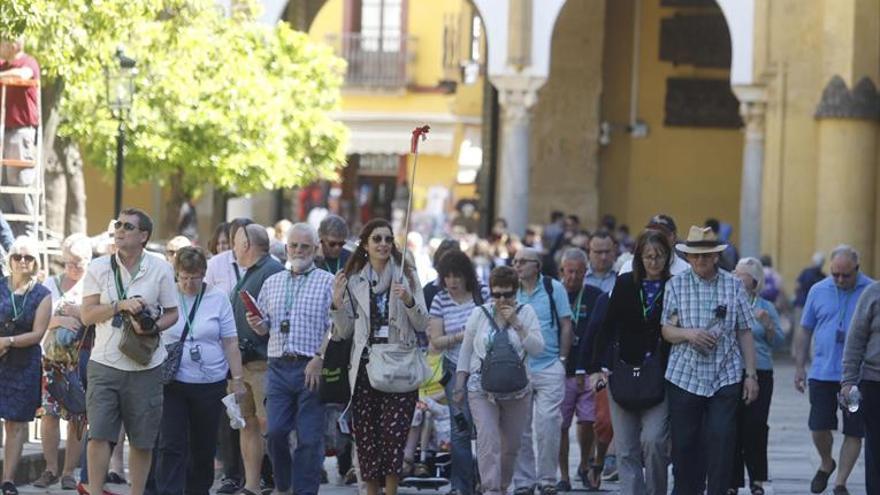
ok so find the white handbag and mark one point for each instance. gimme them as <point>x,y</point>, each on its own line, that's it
<point>397,368</point>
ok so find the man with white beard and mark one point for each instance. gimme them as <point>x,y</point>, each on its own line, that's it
<point>295,306</point>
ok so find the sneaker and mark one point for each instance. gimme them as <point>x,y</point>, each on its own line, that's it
<point>563,486</point>
<point>8,488</point>
<point>68,482</point>
<point>548,490</point>
<point>610,471</point>
<point>350,477</point>
<point>115,478</point>
<point>524,490</point>
<point>46,479</point>
<point>228,486</point>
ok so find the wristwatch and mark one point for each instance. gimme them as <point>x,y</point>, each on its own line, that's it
<point>11,341</point>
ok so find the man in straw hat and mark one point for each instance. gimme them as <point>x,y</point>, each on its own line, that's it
<point>707,319</point>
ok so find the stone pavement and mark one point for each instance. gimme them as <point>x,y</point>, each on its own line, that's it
<point>793,460</point>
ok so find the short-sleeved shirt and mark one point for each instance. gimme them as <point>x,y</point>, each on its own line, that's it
<point>690,302</point>
<point>73,296</point>
<point>454,316</point>
<point>827,315</point>
<point>763,350</point>
<point>304,300</point>
<point>153,282</point>
<point>223,272</point>
<point>539,300</point>
<point>21,102</point>
<point>211,323</point>
<point>605,282</point>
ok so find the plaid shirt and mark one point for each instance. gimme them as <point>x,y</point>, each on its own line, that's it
<point>305,301</point>
<point>692,301</point>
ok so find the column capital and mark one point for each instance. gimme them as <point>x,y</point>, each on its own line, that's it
<point>516,95</point>
<point>752,108</point>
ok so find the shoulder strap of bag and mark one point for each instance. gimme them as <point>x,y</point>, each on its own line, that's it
<point>548,287</point>
<point>192,314</point>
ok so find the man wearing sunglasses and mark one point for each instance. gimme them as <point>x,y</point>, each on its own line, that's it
<point>121,390</point>
<point>826,320</point>
<point>333,232</point>
<point>547,372</point>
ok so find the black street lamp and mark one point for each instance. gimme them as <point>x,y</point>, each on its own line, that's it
<point>119,80</point>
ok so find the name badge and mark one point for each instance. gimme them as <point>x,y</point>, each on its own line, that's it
<point>382,333</point>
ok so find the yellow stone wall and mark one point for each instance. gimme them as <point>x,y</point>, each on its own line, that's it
<point>100,190</point>
<point>689,173</point>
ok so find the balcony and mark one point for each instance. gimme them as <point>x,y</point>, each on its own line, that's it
<point>376,62</point>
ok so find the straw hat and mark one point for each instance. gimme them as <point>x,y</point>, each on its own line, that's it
<point>701,240</point>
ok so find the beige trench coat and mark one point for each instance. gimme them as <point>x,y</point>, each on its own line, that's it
<point>403,322</point>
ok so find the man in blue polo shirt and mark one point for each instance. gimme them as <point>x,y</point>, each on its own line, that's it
<point>547,373</point>
<point>827,314</point>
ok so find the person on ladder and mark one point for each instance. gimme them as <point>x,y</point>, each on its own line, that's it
<point>20,136</point>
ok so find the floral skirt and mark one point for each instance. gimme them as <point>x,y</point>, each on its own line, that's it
<point>381,425</point>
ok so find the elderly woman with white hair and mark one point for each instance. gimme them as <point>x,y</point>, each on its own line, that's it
<point>61,353</point>
<point>751,450</point>
<point>25,310</point>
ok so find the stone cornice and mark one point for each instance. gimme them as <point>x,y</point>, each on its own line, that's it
<point>838,102</point>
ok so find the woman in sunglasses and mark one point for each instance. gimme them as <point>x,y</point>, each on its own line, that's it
<point>500,419</point>
<point>375,303</point>
<point>25,309</point>
<point>62,352</point>
<point>192,408</point>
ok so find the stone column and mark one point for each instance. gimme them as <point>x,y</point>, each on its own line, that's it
<point>516,96</point>
<point>846,175</point>
<point>753,110</point>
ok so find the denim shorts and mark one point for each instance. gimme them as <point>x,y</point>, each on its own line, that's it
<point>824,407</point>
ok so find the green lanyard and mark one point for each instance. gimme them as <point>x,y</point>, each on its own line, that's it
<point>576,309</point>
<point>328,266</point>
<point>15,310</point>
<point>290,293</point>
<point>122,291</point>
<point>187,314</point>
<point>646,308</point>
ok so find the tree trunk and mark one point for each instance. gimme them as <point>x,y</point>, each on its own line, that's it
<point>76,189</point>
<point>178,196</point>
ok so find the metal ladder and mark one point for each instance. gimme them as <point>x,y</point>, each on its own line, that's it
<point>50,243</point>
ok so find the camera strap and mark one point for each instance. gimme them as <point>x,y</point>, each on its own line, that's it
<point>187,322</point>
<point>122,291</point>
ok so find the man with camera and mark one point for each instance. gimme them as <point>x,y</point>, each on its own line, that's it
<point>295,309</point>
<point>251,248</point>
<point>130,297</point>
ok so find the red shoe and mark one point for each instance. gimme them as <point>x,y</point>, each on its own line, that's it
<point>81,490</point>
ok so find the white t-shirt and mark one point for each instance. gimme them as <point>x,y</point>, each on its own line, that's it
<point>154,282</point>
<point>221,272</point>
<point>73,296</point>
<point>212,323</point>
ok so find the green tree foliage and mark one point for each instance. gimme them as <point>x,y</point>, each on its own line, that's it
<point>220,100</point>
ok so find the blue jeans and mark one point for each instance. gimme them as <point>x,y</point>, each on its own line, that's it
<point>291,406</point>
<point>462,457</point>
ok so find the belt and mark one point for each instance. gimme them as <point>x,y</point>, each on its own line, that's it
<point>292,358</point>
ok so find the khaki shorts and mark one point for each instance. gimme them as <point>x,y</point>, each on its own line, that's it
<point>254,401</point>
<point>131,398</point>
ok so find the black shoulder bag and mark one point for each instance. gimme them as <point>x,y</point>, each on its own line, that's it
<point>335,387</point>
<point>502,370</point>
<point>171,365</point>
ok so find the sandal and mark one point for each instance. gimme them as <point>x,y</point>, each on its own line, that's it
<point>407,470</point>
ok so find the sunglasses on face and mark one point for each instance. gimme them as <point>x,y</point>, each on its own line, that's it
<point>503,295</point>
<point>377,239</point>
<point>18,257</point>
<point>293,246</point>
<point>124,225</point>
<point>334,244</point>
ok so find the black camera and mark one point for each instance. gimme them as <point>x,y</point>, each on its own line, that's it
<point>145,318</point>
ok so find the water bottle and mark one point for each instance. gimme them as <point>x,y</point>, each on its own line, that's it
<point>716,326</point>
<point>855,398</point>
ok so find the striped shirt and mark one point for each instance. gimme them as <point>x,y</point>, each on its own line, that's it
<point>690,302</point>
<point>302,299</point>
<point>454,316</point>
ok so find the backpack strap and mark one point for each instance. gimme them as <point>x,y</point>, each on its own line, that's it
<point>554,314</point>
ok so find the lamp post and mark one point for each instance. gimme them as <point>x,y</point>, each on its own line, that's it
<point>119,80</point>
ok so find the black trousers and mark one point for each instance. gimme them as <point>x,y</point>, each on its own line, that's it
<point>188,437</point>
<point>871,412</point>
<point>703,438</point>
<point>751,446</point>
<point>229,449</point>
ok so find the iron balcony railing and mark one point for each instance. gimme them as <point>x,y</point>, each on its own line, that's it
<point>376,62</point>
